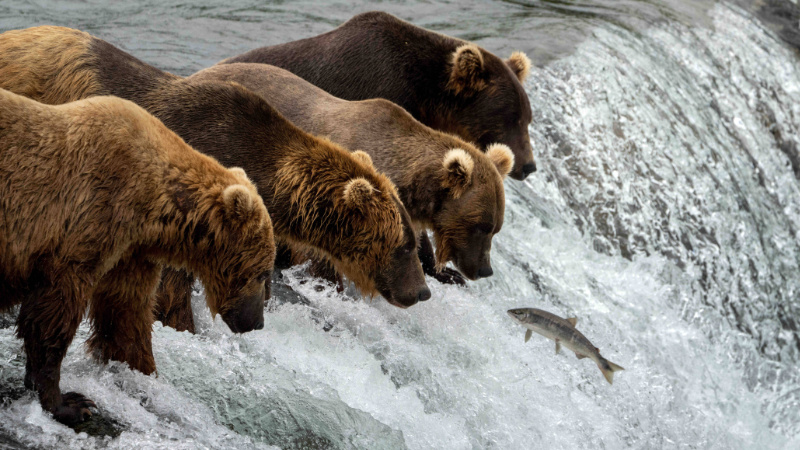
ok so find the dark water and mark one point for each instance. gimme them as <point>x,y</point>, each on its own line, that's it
<point>665,215</point>
<point>183,37</point>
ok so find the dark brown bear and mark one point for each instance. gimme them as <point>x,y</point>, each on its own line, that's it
<point>320,197</point>
<point>97,195</point>
<point>446,83</point>
<point>447,185</point>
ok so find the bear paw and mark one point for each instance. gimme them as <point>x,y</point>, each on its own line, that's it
<point>449,276</point>
<point>74,409</point>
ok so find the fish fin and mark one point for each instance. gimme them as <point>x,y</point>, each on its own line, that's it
<point>580,356</point>
<point>573,321</point>
<point>558,346</point>
<point>609,373</point>
<point>528,335</point>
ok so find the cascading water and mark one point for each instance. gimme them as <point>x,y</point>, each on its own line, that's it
<point>665,216</point>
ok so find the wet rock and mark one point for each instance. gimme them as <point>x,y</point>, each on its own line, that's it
<point>9,318</point>
<point>9,443</point>
<point>99,425</point>
<point>781,16</point>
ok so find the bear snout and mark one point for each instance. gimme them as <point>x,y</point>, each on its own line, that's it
<point>259,325</point>
<point>528,169</point>
<point>248,316</point>
<point>402,304</point>
<point>409,298</point>
<point>485,271</point>
<point>519,173</point>
<point>424,294</point>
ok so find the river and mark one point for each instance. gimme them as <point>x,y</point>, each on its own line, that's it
<point>665,215</point>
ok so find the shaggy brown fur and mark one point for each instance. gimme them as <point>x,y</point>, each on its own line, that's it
<point>447,185</point>
<point>53,83</point>
<point>171,308</point>
<point>96,196</point>
<point>302,179</point>
<point>446,83</point>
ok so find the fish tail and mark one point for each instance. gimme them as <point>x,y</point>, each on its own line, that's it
<point>608,368</point>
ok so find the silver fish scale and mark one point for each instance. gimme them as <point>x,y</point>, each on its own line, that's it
<point>555,328</point>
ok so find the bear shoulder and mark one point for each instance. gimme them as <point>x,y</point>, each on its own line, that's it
<point>372,17</point>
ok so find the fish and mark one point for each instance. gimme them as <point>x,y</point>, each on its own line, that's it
<point>563,332</point>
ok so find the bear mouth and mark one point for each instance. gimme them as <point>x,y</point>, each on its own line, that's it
<point>248,316</point>
<point>471,275</point>
<point>400,305</point>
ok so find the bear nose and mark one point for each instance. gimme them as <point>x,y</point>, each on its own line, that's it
<point>259,326</point>
<point>529,168</point>
<point>424,294</point>
<point>484,272</point>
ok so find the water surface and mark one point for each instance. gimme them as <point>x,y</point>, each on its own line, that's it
<point>665,216</point>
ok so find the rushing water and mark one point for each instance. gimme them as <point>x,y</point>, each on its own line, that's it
<point>665,216</point>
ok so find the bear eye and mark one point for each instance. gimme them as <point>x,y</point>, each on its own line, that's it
<point>263,277</point>
<point>485,228</point>
<point>408,248</point>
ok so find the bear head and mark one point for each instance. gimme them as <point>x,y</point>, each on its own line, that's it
<point>472,209</point>
<point>236,251</point>
<point>490,104</point>
<point>354,219</point>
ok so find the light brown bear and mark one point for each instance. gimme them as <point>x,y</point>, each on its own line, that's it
<point>321,198</point>
<point>446,83</point>
<point>447,185</point>
<point>96,196</point>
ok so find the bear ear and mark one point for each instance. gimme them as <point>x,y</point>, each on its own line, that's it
<point>239,172</point>
<point>520,64</point>
<point>240,205</point>
<point>502,157</point>
<point>357,192</point>
<point>363,157</point>
<point>466,72</point>
<point>458,166</point>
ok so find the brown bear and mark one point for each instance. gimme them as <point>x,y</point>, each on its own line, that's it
<point>97,195</point>
<point>446,184</point>
<point>320,197</point>
<point>446,83</point>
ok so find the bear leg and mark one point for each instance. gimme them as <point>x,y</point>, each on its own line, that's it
<point>174,300</point>
<point>122,314</point>
<point>47,324</point>
<point>28,373</point>
<point>319,267</point>
<point>426,257</point>
<point>322,268</point>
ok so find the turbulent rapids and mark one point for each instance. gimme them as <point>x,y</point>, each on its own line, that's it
<point>665,214</point>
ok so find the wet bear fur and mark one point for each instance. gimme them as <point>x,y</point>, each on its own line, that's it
<point>321,198</point>
<point>447,185</point>
<point>96,197</point>
<point>446,83</point>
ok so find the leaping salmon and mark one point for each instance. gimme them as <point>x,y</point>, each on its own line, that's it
<point>563,332</point>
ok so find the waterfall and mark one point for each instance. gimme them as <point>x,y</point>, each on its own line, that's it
<point>665,216</point>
